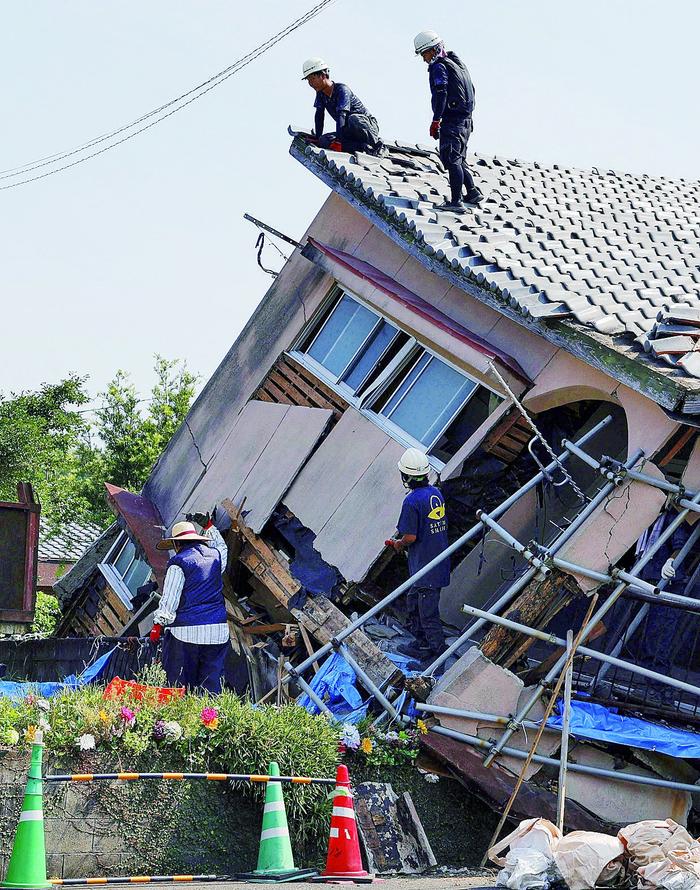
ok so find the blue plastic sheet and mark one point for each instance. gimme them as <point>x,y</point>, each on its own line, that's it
<point>591,721</point>
<point>17,691</point>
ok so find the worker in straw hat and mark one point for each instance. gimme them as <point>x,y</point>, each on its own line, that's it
<point>192,609</point>
<point>356,129</point>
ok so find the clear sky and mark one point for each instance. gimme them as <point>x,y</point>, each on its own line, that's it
<point>144,249</point>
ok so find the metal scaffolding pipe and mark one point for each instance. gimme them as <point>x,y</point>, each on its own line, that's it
<point>593,621</point>
<point>522,582</point>
<point>473,532</point>
<point>505,535</point>
<point>584,650</point>
<point>368,684</point>
<point>637,583</point>
<point>477,715</point>
<point>632,778</point>
<point>566,721</point>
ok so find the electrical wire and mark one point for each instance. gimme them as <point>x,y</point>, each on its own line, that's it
<point>193,94</point>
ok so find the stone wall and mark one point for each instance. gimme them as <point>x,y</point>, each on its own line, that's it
<point>109,828</point>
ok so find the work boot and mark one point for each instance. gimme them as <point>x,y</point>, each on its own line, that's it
<point>413,650</point>
<point>450,207</point>
<point>474,196</point>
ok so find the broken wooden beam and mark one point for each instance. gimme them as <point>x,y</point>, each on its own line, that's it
<point>321,618</point>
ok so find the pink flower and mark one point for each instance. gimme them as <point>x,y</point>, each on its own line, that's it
<point>209,715</point>
<point>128,716</point>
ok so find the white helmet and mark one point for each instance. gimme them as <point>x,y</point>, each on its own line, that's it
<point>414,463</point>
<point>313,66</point>
<point>426,40</point>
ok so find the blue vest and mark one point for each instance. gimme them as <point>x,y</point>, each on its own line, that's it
<point>202,599</point>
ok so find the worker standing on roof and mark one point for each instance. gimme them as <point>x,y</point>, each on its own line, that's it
<point>192,607</point>
<point>357,129</point>
<point>452,95</point>
<point>422,532</point>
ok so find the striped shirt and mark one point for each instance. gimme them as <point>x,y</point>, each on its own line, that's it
<point>200,634</point>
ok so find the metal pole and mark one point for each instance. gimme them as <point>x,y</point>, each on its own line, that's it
<point>593,622</point>
<point>689,500</point>
<point>522,582</point>
<point>513,542</point>
<point>584,650</point>
<point>564,750</point>
<point>642,613</point>
<point>314,698</point>
<point>573,767</point>
<point>477,715</point>
<point>368,684</point>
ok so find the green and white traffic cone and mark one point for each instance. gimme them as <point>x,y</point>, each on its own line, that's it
<point>275,857</point>
<point>27,868</point>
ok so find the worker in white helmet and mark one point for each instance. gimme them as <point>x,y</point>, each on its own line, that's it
<point>422,533</point>
<point>356,129</point>
<point>452,97</point>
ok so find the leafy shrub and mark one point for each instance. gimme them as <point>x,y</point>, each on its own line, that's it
<point>47,614</point>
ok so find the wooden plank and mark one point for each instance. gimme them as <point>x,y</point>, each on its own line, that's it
<point>307,391</point>
<point>263,628</point>
<point>307,643</point>
<point>320,617</point>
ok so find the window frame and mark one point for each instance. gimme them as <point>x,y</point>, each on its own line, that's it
<point>110,573</point>
<point>398,369</point>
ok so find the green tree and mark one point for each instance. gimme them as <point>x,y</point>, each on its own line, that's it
<point>133,438</point>
<point>39,432</point>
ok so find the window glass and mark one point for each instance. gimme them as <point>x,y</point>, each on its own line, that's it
<point>470,418</point>
<point>136,575</point>
<point>126,555</point>
<point>377,345</point>
<point>427,399</point>
<point>342,335</point>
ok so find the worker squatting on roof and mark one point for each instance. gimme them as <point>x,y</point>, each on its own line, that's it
<point>452,99</point>
<point>422,532</point>
<point>357,129</point>
<point>192,609</point>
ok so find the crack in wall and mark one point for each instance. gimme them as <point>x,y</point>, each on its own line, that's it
<point>194,442</point>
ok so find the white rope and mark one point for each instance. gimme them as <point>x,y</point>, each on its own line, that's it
<point>582,497</point>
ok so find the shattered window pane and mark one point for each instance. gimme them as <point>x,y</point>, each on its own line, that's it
<point>469,419</point>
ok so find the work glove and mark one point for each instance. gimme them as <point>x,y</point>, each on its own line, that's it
<point>435,129</point>
<point>336,145</point>
<point>156,633</point>
<point>390,542</point>
<point>202,519</point>
<point>668,573</point>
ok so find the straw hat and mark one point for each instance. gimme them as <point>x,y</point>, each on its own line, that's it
<point>182,532</point>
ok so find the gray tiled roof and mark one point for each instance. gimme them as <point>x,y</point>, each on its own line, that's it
<point>615,253</point>
<point>69,542</point>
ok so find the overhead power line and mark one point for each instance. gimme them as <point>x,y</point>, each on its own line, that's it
<point>151,118</point>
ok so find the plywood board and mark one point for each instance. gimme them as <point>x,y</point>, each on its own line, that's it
<point>265,450</point>
<point>335,468</point>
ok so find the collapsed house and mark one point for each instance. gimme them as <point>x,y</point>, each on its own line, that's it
<point>561,316</point>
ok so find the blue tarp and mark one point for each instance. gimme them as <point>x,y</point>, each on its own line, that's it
<point>336,685</point>
<point>18,691</point>
<point>591,721</point>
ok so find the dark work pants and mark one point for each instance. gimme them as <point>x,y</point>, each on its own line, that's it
<point>454,136</point>
<point>423,610</point>
<point>194,666</point>
<point>360,133</point>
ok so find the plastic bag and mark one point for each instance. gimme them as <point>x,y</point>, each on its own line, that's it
<point>529,864</point>
<point>582,856</point>
<point>652,839</point>
<point>680,870</point>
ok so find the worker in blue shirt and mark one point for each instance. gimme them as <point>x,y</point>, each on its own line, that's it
<point>356,129</point>
<point>422,533</point>
<point>452,96</point>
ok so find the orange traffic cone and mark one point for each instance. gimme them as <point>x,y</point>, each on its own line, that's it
<point>344,861</point>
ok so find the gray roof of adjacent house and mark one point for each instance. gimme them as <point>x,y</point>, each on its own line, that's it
<point>67,543</point>
<point>588,258</point>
